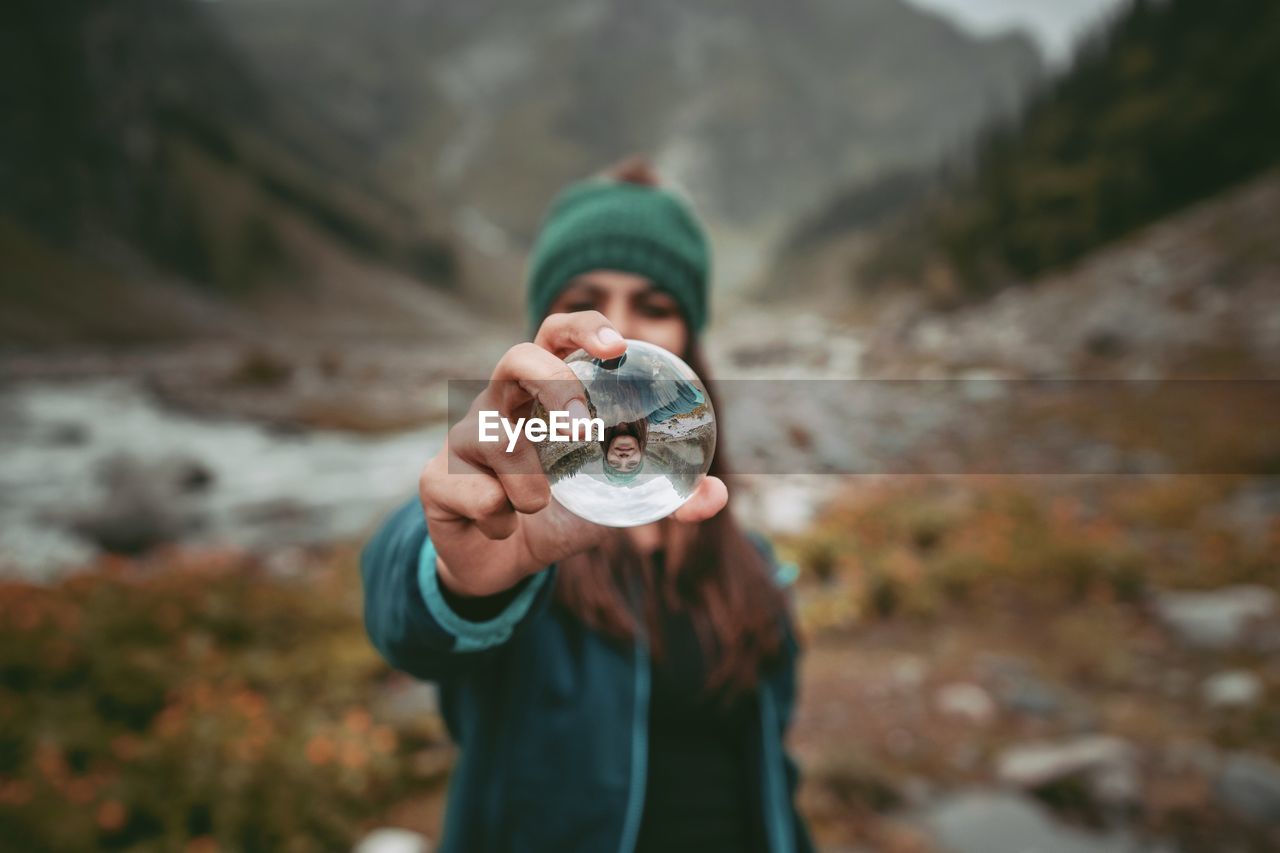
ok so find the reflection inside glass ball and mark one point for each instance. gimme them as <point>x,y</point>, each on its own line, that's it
<point>659,437</point>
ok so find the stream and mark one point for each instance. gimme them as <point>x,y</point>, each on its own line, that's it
<point>101,461</point>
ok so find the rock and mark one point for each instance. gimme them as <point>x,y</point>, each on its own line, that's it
<point>1107,764</point>
<point>968,701</point>
<point>1235,688</point>
<point>1250,786</point>
<point>1249,512</point>
<point>393,840</point>
<point>67,434</point>
<point>189,476</point>
<point>1028,695</point>
<point>142,506</point>
<point>1002,666</point>
<point>1002,822</point>
<point>1019,689</point>
<point>1117,785</point>
<point>1105,343</point>
<point>909,673</point>
<point>1218,619</point>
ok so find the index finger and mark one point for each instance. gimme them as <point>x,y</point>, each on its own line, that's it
<point>566,332</point>
<point>529,372</point>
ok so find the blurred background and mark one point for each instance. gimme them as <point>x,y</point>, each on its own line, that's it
<point>244,244</point>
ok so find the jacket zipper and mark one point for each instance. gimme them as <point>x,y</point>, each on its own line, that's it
<point>639,749</point>
<point>780,841</point>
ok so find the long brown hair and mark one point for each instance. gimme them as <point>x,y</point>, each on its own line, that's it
<point>713,571</point>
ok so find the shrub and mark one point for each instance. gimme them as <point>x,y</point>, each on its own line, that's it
<point>207,703</point>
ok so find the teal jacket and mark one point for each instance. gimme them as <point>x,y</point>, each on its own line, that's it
<point>549,716</point>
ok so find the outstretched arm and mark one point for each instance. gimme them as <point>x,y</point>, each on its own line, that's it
<point>417,623</point>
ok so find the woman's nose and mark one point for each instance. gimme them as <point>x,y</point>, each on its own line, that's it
<point>621,319</point>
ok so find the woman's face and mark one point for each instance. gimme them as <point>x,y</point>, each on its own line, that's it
<point>624,454</point>
<point>635,307</point>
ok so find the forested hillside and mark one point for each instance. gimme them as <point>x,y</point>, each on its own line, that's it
<point>1176,100</point>
<point>146,174</point>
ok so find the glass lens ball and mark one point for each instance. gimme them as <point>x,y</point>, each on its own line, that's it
<point>658,440</point>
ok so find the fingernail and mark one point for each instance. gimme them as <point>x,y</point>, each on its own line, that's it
<point>578,410</point>
<point>608,336</point>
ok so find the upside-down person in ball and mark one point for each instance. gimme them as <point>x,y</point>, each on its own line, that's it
<point>623,447</point>
<point>608,689</point>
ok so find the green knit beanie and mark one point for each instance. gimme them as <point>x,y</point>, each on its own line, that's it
<point>601,223</point>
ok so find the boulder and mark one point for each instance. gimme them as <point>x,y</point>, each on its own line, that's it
<point>143,503</point>
<point>1249,785</point>
<point>1107,765</point>
<point>1237,688</point>
<point>1006,822</point>
<point>1216,619</point>
<point>967,701</point>
<point>393,840</point>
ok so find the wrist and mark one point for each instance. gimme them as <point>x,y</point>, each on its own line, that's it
<point>448,582</point>
<point>469,588</point>
<point>474,623</point>
<point>476,607</point>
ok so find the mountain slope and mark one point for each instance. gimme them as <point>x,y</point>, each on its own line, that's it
<point>231,148</point>
<point>483,109</point>
<point>1192,295</point>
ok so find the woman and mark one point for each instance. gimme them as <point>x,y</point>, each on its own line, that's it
<point>609,689</point>
<point>623,448</point>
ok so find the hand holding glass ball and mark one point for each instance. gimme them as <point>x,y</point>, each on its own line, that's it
<point>490,512</point>
<point>659,438</point>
